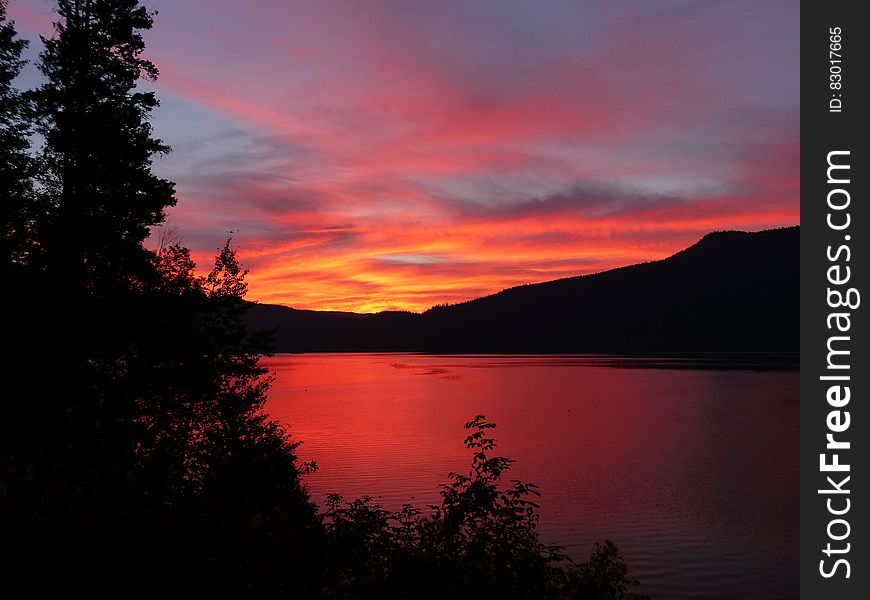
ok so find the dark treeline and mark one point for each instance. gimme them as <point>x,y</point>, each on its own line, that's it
<point>134,455</point>
<point>733,293</point>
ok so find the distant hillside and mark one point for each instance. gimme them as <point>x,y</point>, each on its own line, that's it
<point>730,292</point>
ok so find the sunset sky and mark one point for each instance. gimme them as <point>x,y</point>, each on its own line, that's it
<point>396,155</point>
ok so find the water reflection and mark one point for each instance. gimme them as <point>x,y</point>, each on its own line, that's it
<point>693,472</point>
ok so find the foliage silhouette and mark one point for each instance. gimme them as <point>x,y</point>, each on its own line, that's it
<point>101,196</point>
<point>16,209</point>
<point>479,542</point>
<point>145,451</point>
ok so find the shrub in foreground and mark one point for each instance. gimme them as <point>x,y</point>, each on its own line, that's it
<point>481,541</point>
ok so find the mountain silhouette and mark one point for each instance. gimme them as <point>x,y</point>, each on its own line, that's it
<point>731,292</point>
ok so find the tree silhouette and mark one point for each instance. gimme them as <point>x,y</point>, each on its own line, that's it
<point>149,436</point>
<point>15,165</point>
<point>97,199</point>
<point>101,196</point>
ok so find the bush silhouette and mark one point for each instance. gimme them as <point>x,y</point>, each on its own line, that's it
<point>479,542</point>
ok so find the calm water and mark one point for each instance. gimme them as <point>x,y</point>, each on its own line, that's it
<point>693,473</point>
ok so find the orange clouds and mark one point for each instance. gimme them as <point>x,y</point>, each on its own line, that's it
<point>412,266</point>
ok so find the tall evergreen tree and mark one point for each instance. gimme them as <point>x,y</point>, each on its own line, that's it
<point>15,188</point>
<point>17,220</point>
<point>97,198</point>
<point>102,196</point>
<point>153,430</point>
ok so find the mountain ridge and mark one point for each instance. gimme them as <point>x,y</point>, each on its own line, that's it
<point>732,291</point>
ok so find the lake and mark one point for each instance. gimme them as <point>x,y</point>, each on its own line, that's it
<point>692,472</point>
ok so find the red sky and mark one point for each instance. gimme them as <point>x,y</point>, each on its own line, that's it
<point>396,155</point>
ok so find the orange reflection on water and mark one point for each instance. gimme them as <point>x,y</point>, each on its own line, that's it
<point>692,472</point>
